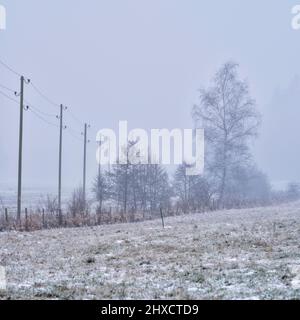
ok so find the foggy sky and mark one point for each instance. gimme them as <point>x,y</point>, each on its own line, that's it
<point>143,61</point>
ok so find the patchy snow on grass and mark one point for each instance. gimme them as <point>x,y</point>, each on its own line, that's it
<point>234,254</point>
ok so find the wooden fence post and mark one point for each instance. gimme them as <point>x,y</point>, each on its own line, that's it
<point>6,216</point>
<point>26,219</point>
<point>43,218</point>
<point>162,217</point>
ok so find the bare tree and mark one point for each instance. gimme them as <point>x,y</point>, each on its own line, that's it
<point>228,115</point>
<point>121,180</point>
<point>182,187</point>
<point>158,188</point>
<point>49,203</point>
<point>139,187</point>
<point>77,203</point>
<point>101,191</point>
<point>192,191</point>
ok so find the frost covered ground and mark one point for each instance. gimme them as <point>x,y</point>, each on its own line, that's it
<point>236,254</point>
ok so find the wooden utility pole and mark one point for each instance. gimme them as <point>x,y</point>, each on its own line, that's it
<point>19,200</point>
<point>60,164</point>
<point>85,142</point>
<point>99,159</point>
<point>84,164</point>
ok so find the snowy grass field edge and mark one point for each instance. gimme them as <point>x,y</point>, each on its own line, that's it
<point>235,254</point>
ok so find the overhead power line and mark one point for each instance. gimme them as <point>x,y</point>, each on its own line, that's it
<point>40,92</point>
<point>8,89</point>
<point>74,133</point>
<point>42,118</point>
<point>27,102</point>
<point>50,101</point>
<point>75,117</point>
<point>34,110</point>
<point>41,114</point>
<point>74,136</point>
<point>46,114</point>
<point>8,97</point>
<point>10,69</point>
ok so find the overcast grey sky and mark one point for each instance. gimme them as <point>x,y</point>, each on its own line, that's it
<point>143,61</point>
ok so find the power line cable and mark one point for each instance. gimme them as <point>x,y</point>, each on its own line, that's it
<point>8,97</point>
<point>74,132</point>
<point>41,118</point>
<point>36,111</point>
<point>74,135</point>
<point>29,108</point>
<point>10,69</point>
<point>52,115</point>
<point>29,104</point>
<point>8,89</point>
<point>44,96</point>
<point>75,117</point>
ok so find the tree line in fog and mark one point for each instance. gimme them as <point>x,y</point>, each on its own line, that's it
<point>231,179</point>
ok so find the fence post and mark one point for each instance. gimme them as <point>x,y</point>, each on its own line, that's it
<point>43,218</point>
<point>60,218</point>
<point>162,217</point>
<point>26,219</point>
<point>6,216</point>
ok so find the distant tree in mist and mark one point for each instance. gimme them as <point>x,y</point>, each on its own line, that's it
<point>293,191</point>
<point>122,180</point>
<point>101,190</point>
<point>193,191</point>
<point>133,187</point>
<point>246,185</point>
<point>77,204</point>
<point>1,204</point>
<point>228,114</point>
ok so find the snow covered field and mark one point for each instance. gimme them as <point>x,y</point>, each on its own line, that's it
<point>236,254</point>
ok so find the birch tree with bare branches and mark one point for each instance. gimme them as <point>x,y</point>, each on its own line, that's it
<point>230,119</point>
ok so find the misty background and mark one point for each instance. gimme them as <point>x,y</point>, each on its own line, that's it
<point>143,61</point>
